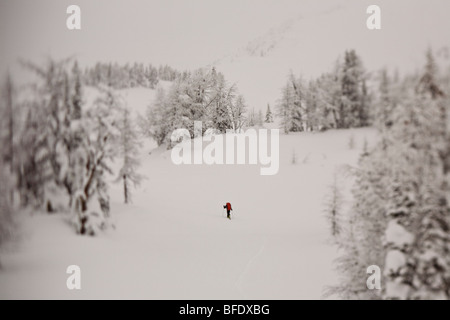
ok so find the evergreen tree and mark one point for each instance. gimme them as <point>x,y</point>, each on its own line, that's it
<point>260,119</point>
<point>384,107</point>
<point>251,121</point>
<point>128,148</point>
<point>333,207</point>
<point>269,116</point>
<point>8,112</point>
<point>53,127</point>
<point>298,110</point>
<point>34,171</point>
<point>351,112</point>
<point>428,81</point>
<point>326,95</point>
<point>6,205</point>
<point>220,105</point>
<point>7,159</point>
<point>8,141</point>
<point>284,108</point>
<point>364,110</point>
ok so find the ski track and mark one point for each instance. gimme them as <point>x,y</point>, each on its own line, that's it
<point>241,276</point>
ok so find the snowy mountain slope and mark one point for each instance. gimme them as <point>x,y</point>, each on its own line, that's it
<point>310,44</point>
<point>174,242</point>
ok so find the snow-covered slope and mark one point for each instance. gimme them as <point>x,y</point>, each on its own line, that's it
<point>136,99</point>
<point>174,241</point>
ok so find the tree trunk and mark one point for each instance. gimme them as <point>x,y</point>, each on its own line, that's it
<point>9,105</point>
<point>125,188</point>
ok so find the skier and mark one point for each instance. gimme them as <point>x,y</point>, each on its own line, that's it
<point>228,207</point>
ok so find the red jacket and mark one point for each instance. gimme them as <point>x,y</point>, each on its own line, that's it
<point>228,206</point>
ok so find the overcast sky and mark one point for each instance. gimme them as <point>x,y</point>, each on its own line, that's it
<point>182,33</point>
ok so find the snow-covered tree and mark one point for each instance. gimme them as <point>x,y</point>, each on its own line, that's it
<point>337,99</point>
<point>77,96</point>
<point>34,171</point>
<point>428,82</point>
<point>352,108</point>
<point>269,116</point>
<point>152,125</point>
<point>383,109</point>
<point>66,146</point>
<point>7,160</point>
<point>251,119</point>
<point>8,115</point>
<point>365,105</point>
<point>360,230</point>
<point>401,213</point>
<point>291,108</point>
<point>284,108</point>
<point>203,95</point>
<point>260,118</point>
<point>6,205</point>
<point>322,101</point>
<point>8,120</point>
<point>91,199</point>
<point>125,76</point>
<point>238,109</point>
<point>314,113</point>
<point>50,124</point>
<point>333,207</point>
<point>220,105</point>
<point>298,108</point>
<point>417,239</point>
<point>129,145</point>
<point>169,111</point>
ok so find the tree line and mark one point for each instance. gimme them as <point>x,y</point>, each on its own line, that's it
<point>128,75</point>
<point>336,99</point>
<point>202,95</point>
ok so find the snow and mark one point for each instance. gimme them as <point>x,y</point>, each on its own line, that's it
<point>398,235</point>
<point>397,290</point>
<point>174,242</point>
<point>395,260</point>
<point>139,98</point>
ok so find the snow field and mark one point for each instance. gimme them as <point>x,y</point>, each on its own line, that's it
<point>174,241</point>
